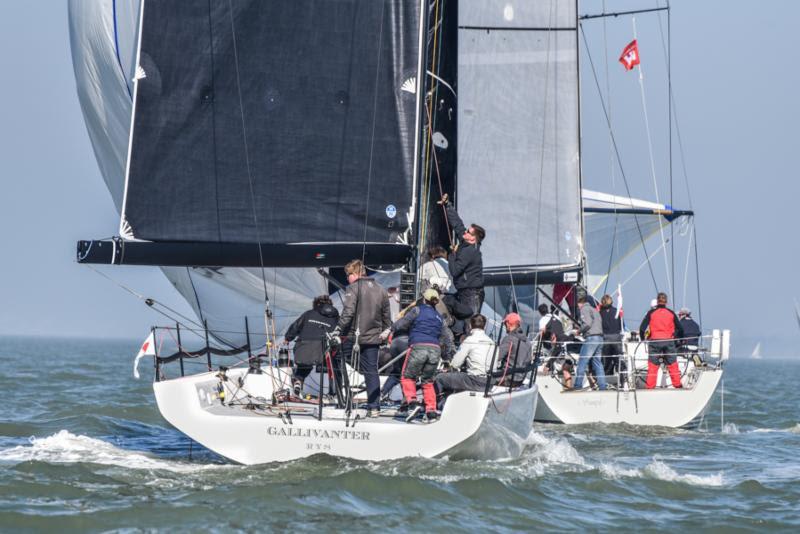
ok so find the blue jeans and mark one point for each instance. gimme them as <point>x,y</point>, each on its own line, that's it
<point>369,368</point>
<point>590,353</point>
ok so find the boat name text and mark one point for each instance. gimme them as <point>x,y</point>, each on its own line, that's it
<point>293,432</point>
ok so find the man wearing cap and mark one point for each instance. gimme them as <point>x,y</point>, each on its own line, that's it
<point>466,261</point>
<point>663,327</point>
<point>425,330</point>
<point>691,330</point>
<point>514,352</point>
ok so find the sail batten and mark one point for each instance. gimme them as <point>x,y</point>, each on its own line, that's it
<point>302,133</point>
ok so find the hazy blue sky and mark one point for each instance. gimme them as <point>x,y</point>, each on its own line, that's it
<point>735,79</point>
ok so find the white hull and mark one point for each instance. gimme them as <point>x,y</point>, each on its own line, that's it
<point>657,407</point>
<point>470,425</point>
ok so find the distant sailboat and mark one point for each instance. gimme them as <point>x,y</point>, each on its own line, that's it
<point>797,312</point>
<point>756,355</point>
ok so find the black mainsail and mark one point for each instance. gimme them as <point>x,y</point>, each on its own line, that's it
<point>292,125</point>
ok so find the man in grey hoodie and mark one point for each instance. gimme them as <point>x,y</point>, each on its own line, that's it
<point>592,330</point>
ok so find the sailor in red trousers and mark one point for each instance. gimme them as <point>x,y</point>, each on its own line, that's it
<point>663,328</point>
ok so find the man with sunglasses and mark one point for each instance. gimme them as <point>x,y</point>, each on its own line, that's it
<point>466,261</point>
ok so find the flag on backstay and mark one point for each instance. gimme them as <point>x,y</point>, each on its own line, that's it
<point>148,349</point>
<point>630,55</point>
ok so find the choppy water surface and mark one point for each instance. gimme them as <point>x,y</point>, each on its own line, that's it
<point>83,447</point>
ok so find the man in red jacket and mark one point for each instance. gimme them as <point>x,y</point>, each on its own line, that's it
<point>661,326</point>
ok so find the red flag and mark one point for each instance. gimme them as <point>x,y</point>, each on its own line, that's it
<point>630,56</point>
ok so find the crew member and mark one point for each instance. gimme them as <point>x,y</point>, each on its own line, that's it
<point>551,332</point>
<point>515,352</point>
<point>663,327</point>
<point>425,331</point>
<point>435,272</point>
<point>466,261</point>
<point>591,351</point>
<point>612,334</point>
<point>691,330</point>
<point>309,332</point>
<point>476,353</point>
<point>365,310</point>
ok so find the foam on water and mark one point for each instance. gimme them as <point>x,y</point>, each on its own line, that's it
<point>64,447</point>
<point>661,471</point>
<point>542,455</point>
<point>730,428</point>
<point>553,450</point>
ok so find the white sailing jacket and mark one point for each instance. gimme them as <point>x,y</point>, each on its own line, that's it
<point>477,350</point>
<point>437,273</point>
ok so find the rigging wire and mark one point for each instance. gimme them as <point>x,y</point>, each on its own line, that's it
<point>681,153</point>
<point>267,311</point>
<point>652,158</point>
<point>550,23</point>
<point>616,152</point>
<point>686,270</point>
<point>372,138</point>
<point>611,165</point>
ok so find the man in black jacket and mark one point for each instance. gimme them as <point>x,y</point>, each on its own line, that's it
<point>691,330</point>
<point>366,316</point>
<point>466,261</point>
<point>309,332</point>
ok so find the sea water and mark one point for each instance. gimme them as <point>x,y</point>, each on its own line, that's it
<point>83,448</point>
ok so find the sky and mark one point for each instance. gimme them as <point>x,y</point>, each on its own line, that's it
<point>734,77</point>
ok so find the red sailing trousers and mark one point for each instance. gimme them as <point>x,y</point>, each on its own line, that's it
<point>674,374</point>
<point>666,351</point>
<point>410,393</point>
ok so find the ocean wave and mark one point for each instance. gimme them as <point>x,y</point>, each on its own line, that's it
<point>791,430</point>
<point>553,450</point>
<point>64,447</point>
<point>660,471</point>
<point>542,455</point>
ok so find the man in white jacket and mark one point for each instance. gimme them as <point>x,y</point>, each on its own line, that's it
<point>476,352</point>
<point>436,272</point>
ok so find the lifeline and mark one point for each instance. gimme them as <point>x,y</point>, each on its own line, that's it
<point>315,433</point>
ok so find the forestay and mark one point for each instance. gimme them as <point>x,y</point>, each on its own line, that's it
<point>276,122</point>
<point>518,163</point>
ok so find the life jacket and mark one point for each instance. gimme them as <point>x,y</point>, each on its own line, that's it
<point>427,326</point>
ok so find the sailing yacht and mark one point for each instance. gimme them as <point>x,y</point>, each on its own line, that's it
<point>756,354</point>
<point>267,144</point>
